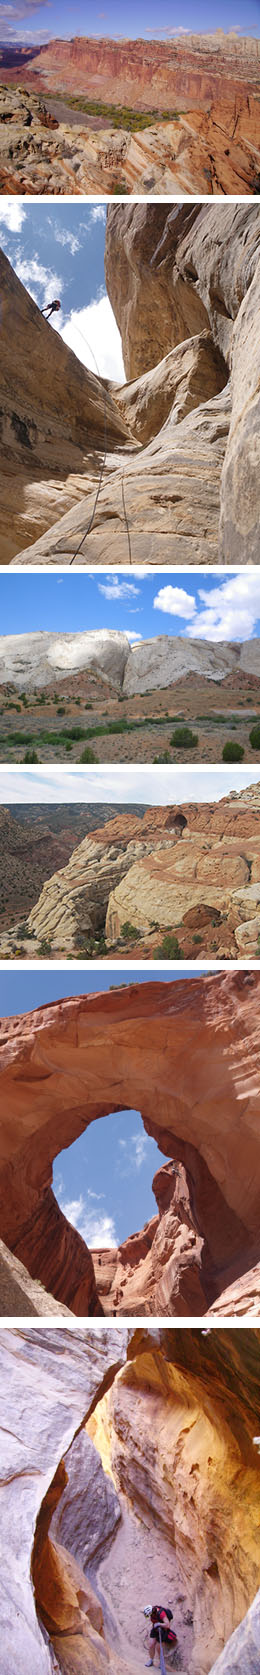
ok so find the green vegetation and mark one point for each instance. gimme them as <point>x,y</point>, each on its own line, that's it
<point>169,949</point>
<point>120,116</point>
<point>128,932</point>
<point>184,739</point>
<point>255,737</point>
<point>31,756</point>
<point>164,757</point>
<point>233,752</point>
<point>88,755</point>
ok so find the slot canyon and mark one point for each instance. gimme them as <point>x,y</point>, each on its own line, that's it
<point>130,1470</point>
<point>180,477</point>
<point>186,1056</point>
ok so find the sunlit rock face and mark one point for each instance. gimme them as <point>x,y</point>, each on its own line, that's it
<point>74,1061</point>
<point>52,1381</point>
<point>31,660</point>
<point>174,1415</point>
<point>192,871</point>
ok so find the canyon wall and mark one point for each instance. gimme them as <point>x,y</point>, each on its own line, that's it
<point>52,418</point>
<point>184,286</point>
<point>195,72</point>
<point>138,1038</point>
<point>178,1427</point>
<point>49,1382</point>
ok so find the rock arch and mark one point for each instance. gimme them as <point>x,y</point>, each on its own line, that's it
<point>187,1055</point>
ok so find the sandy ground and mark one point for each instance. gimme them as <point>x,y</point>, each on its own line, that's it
<point>216,712</point>
<point>140,1567</point>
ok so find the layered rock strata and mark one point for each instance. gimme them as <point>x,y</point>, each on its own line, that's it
<point>207,1234</point>
<point>177,1433</point>
<point>192,870</point>
<point>184,286</point>
<point>215,148</point>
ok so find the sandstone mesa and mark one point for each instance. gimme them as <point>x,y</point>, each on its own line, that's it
<point>204,1241</point>
<point>181,475</point>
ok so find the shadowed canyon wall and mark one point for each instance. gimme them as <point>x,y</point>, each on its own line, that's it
<point>177,1433</point>
<point>74,1061</point>
<point>184,287</point>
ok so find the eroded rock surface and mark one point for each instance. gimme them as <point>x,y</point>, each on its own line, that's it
<point>31,660</point>
<point>52,1382</point>
<point>207,1233</point>
<point>174,1416</point>
<point>184,286</point>
<point>191,869</point>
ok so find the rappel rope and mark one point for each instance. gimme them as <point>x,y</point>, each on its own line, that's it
<point>162,1660</point>
<point>102,468</point>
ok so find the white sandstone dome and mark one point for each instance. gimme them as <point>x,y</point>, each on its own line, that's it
<point>29,660</point>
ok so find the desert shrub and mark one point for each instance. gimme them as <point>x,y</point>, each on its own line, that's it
<point>60,710</point>
<point>31,756</point>
<point>128,931</point>
<point>255,737</point>
<point>88,755</point>
<point>232,752</point>
<point>164,757</point>
<point>169,948</point>
<point>184,739</point>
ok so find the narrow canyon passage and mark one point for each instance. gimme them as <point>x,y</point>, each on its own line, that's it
<point>157,1498</point>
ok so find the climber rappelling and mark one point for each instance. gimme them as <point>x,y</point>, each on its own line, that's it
<point>161,1634</point>
<point>51,308</point>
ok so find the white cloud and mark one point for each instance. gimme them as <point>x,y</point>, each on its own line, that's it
<point>98,213</point>
<point>131,635</point>
<point>230,610</point>
<point>93,335</point>
<point>114,589</point>
<point>96,1230</point>
<point>63,236</point>
<point>12,214</point>
<point>134,1151</point>
<point>174,601</point>
<point>139,783</point>
<point>42,283</point>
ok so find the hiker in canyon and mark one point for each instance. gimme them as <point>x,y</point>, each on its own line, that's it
<point>160,1633</point>
<point>50,308</point>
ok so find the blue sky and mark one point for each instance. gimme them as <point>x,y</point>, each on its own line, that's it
<point>57,250</point>
<point>103,1181</point>
<point>208,607</point>
<point>27,21</point>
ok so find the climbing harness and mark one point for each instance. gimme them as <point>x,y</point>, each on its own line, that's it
<point>102,467</point>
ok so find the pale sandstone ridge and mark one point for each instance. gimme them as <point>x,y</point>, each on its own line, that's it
<point>32,660</point>
<point>173,1416</point>
<point>68,1064</point>
<point>184,287</point>
<point>165,659</point>
<point>28,661</point>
